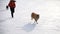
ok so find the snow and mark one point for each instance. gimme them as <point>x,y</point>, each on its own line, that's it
<point>48,23</point>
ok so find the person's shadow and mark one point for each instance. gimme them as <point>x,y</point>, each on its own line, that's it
<point>29,27</point>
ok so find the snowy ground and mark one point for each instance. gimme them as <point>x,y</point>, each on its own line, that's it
<point>49,22</point>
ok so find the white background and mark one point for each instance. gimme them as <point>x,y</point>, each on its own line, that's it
<point>48,23</point>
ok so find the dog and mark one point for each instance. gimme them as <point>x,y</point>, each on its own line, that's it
<point>35,17</point>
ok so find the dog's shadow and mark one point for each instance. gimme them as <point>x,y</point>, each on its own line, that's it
<point>29,27</point>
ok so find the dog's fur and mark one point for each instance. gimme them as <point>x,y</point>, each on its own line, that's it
<point>35,17</point>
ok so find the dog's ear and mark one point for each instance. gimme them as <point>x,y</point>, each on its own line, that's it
<point>37,15</point>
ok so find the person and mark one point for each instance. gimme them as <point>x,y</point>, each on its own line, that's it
<point>12,6</point>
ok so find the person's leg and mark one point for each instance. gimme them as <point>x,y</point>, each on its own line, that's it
<point>12,10</point>
<point>12,14</point>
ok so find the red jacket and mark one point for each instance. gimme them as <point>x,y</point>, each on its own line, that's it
<point>12,4</point>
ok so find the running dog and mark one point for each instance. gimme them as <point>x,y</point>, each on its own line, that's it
<point>35,17</point>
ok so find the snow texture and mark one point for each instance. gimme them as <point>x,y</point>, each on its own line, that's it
<point>48,23</point>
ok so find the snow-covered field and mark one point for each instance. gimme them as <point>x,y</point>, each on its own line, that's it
<point>49,22</point>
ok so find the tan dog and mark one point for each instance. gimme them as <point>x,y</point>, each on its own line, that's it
<point>35,17</point>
